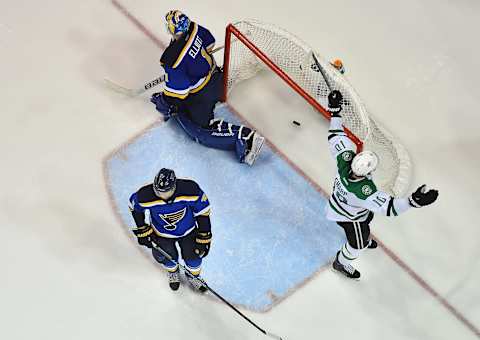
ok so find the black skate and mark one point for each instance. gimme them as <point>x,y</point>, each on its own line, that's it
<point>347,270</point>
<point>174,280</point>
<point>373,244</point>
<point>196,283</point>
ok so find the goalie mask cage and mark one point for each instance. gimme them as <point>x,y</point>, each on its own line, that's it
<point>252,46</point>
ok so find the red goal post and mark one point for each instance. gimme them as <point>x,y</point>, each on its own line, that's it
<point>252,46</point>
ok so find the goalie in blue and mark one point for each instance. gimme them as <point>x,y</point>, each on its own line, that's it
<point>193,85</point>
<point>170,211</point>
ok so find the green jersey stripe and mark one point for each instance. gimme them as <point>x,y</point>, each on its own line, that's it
<point>330,136</point>
<point>341,211</point>
<point>345,213</point>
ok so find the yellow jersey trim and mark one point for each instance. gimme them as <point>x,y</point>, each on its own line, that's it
<point>186,198</point>
<point>202,85</point>
<point>151,204</point>
<point>187,46</point>
<point>176,95</point>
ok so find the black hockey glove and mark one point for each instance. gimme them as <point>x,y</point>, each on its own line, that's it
<point>143,235</point>
<point>202,243</point>
<point>335,103</point>
<point>421,197</point>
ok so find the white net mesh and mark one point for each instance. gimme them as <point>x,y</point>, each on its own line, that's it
<point>294,58</point>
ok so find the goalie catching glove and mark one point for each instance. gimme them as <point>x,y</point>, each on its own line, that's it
<point>143,235</point>
<point>202,243</point>
<point>422,197</point>
<point>335,103</point>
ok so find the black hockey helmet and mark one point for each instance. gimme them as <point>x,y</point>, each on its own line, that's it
<point>164,181</point>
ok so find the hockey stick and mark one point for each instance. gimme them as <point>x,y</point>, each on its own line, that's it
<point>322,71</point>
<point>147,86</point>
<point>164,253</point>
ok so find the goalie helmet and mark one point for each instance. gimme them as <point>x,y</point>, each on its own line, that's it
<point>364,163</point>
<point>164,181</point>
<point>176,22</point>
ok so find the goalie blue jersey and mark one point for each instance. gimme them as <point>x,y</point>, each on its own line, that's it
<point>175,217</point>
<point>188,62</point>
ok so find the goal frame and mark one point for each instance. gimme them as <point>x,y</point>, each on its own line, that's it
<point>231,29</point>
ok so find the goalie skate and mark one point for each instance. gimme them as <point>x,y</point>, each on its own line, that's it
<point>252,154</point>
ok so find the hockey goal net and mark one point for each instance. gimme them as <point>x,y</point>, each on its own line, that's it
<point>252,46</point>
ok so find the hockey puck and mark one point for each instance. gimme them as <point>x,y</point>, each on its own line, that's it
<point>294,122</point>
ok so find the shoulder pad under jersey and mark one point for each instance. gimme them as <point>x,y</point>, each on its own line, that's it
<point>187,187</point>
<point>146,194</point>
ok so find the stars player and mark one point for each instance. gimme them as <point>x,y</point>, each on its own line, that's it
<point>193,85</point>
<point>355,198</point>
<point>173,211</point>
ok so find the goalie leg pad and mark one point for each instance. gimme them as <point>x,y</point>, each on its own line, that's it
<point>219,135</point>
<point>240,149</point>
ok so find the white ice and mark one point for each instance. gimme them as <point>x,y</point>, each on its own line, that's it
<point>69,272</point>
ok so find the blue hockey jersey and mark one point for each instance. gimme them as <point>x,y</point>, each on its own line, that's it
<point>173,218</point>
<point>188,62</point>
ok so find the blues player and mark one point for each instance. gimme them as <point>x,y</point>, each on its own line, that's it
<point>193,85</point>
<point>355,198</point>
<point>170,211</point>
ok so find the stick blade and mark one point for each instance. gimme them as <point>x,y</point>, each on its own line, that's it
<point>273,336</point>
<point>121,89</point>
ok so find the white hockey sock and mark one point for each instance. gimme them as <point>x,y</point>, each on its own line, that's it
<point>348,254</point>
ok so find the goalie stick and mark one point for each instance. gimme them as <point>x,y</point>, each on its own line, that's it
<point>164,253</point>
<point>147,86</point>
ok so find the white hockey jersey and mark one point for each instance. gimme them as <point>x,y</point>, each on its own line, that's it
<point>353,199</point>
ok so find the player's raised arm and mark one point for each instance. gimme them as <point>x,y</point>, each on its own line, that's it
<point>341,147</point>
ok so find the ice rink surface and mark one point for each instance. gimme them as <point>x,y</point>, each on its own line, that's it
<point>70,271</point>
